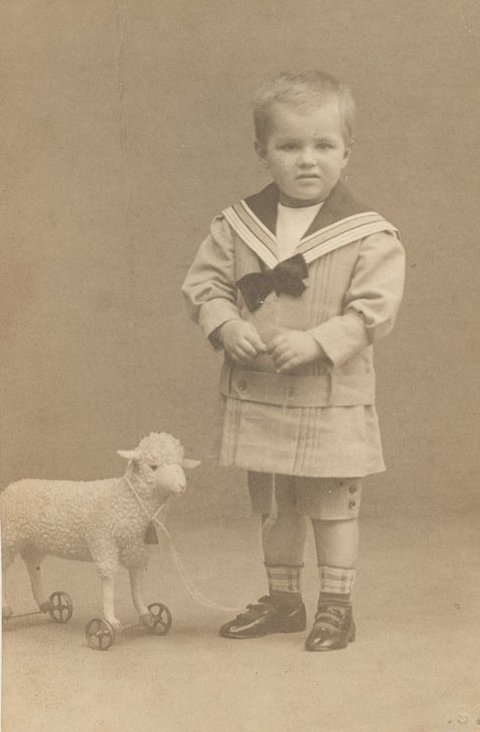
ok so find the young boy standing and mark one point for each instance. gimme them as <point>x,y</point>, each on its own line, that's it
<point>295,283</point>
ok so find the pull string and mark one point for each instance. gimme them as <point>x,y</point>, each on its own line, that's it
<point>192,589</point>
<point>139,500</point>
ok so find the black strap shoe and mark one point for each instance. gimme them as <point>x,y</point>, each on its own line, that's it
<point>264,618</point>
<point>334,628</point>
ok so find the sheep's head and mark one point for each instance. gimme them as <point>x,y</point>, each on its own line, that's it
<point>159,460</point>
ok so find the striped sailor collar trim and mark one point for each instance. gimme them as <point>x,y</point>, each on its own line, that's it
<point>339,205</point>
<point>339,221</point>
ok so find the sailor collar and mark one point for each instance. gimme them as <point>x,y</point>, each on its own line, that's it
<point>340,221</point>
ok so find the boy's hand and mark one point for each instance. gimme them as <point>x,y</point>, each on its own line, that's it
<point>294,348</point>
<point>241,340</point>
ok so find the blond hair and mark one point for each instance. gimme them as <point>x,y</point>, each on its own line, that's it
<point>307,88</point>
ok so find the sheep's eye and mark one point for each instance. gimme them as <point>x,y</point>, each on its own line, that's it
<point>153,467</point>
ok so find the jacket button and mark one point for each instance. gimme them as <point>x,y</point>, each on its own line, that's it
<point>242,385</point>
<point>352,488</point>
<point>352,504</point>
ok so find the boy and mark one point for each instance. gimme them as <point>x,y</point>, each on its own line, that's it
<point>294,284</point>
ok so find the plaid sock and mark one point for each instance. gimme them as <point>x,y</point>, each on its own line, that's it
<point>336,584</point>
<point>284,585</point>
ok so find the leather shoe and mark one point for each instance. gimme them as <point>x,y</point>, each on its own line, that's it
<point>334,628</point>
<point>264,618</point>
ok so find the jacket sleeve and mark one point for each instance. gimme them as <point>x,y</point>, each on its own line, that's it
<point>209,287</point>
<point>371,302</point>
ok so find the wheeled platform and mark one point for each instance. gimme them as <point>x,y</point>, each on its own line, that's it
<point>100,634</point>
<point>60,610</point>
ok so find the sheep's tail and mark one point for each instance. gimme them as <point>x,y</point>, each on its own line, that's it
<point>192,589</point>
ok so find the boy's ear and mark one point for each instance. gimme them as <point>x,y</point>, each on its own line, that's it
<point>348,151</point>
<point>260,150</point>
<point>346,156</point>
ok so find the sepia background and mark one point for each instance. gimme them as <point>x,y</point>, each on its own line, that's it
<point>125,128</point>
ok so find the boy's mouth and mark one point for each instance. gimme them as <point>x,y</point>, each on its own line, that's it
<point>308,176</point>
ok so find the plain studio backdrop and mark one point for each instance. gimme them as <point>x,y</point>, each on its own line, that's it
<point>126,127</point>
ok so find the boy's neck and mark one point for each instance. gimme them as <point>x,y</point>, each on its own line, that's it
<point>295,202</point>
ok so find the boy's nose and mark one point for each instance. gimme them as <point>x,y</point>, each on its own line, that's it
<point>307,157</point>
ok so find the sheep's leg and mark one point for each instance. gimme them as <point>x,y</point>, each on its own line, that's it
<point>105,554</point>
<point>107,566</point>
<point>108,592</point>
<point>135,558</point>
<point>33,562</point>
<point>8,556</point>
<point>137,575</point>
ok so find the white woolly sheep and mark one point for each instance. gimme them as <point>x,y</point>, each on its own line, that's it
<point>101,521</point>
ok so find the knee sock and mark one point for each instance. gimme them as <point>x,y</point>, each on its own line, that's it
<point>336,584</point>
<point>284,584</point>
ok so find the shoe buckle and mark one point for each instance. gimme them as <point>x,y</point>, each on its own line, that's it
<point>331,616</point>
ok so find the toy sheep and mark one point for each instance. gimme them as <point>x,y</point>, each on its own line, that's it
<point>103,521</point>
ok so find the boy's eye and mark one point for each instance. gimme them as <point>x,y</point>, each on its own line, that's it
<point>288,146</point>
<point>153,467</point>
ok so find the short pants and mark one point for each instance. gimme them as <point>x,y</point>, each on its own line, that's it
<point>326,499</point>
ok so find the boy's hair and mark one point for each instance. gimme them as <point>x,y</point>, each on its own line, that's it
<point>303,88</point>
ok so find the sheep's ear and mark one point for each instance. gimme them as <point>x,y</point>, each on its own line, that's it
<point>190,463</point>
<point>128,454</point>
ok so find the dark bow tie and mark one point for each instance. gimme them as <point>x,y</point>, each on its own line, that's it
<point>285,277</point>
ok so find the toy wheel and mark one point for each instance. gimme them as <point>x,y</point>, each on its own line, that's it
<point>162,618</point>
<point>99,634</point>
<point>62,608</point>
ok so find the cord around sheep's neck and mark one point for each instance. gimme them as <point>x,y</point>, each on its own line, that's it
<point>149,498</point>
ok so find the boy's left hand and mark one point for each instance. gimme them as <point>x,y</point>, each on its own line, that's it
<point>294,348</point>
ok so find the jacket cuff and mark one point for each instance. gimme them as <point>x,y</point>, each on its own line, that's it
<point>341,336</point>
<point>216,339</point>
<point>215,313</point>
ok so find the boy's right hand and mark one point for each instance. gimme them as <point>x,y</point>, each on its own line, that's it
<point>241,340</point>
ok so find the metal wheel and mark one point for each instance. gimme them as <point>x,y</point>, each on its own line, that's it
<point>161,617</point>
<point>99,634</point>
<point>62,608</point>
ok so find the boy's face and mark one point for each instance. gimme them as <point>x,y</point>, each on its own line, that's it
<point>305,151</point>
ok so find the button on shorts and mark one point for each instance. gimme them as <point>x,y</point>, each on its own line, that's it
<point>326,499</point>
